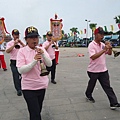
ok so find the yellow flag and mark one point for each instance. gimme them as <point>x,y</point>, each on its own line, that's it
<point>71,33</point>
<point>93,29</point>
<point>81,32</point>
<point>112,28</point>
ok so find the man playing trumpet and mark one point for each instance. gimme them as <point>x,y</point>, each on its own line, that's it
<point>97,68</point>
<point>50,47</point>
<point>13,47</point>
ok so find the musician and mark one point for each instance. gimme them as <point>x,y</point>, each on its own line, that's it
<point>28,63</point>
<point>97,68</point>
<point>10,48</point>
<point>50,47</point>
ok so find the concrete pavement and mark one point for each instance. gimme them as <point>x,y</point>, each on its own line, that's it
<point>66,99</point>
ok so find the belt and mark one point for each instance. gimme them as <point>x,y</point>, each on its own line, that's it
<point>13,62</point>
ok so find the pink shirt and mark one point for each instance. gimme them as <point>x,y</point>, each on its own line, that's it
<point>99,64</point>
<point>50,50</point>
<point>32,79</point>
<point>13,53</point>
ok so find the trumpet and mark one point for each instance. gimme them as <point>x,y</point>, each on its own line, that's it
<point>17,46</point>
<point>44,71</point>
<point>116,53</point>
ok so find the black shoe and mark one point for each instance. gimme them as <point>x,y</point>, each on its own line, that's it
<point>19,93</point>
<point>53,81</point>
<point>113,107</point>
<point>5,69</point>
<point>91,99</point>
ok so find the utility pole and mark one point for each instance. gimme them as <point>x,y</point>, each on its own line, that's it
<point>87,31</point>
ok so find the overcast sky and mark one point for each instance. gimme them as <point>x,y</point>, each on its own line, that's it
<point>20,14</point>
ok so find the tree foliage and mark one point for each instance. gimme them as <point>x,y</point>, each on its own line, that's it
<point>117,19</point>
<point>74,30</point>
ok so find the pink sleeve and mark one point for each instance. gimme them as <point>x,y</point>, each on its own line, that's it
<point>20,58</point>
<point>44,44</point>
<point>45,52</point>
<point>9,44</point>
<point>91,50</point>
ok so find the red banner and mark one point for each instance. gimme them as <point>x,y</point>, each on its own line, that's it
<point>56,28</point>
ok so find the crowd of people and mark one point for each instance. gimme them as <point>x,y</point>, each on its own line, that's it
<point>25,63</point>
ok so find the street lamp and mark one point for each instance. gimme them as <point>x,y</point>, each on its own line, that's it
<point>87,30</point>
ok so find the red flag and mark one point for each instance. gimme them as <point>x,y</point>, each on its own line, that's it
<point>119,25</point>
<point>84,31</point>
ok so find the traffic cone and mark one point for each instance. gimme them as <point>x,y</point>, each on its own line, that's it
<point>80,55</point>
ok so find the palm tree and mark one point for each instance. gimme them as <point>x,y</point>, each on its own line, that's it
<point>44,37</point>
<point>92,27</point>
<point>117,20</point>
<point>74,32</point>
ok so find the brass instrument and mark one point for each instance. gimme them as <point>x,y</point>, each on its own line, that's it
<point>17,46</point>
<point>53,46</point>
<point>116,53</point>
<point>44,71</point>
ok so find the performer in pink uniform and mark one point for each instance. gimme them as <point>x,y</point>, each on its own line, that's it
<point>28,64</point>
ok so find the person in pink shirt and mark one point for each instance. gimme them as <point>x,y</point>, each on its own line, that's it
<point>50,47</point>
<point>12,48</point>
<point>97,68</point>
<point>28,63</point>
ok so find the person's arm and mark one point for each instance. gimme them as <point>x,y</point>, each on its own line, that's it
<point>42,52</point>
<point>10,46</point>
<point>56,47</point>
<point>109,50</point>
<point>46,47</point>
<point>1,41</point>
<point>97,55</point>
<point>27,68</point>
<point>21,43</point>
<point>10,49</point>
<point>47,60</point>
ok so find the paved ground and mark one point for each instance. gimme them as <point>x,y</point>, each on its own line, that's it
<point>66,99</point>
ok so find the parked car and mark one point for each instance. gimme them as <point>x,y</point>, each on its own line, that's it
<point>62,43</point>
<point>114,40</point>
<point>107,38</point>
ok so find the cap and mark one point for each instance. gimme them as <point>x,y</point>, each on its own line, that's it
<point>15,32</point>
<point>31,31</point>
<point>99,30</point>
<point>49,33</point>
